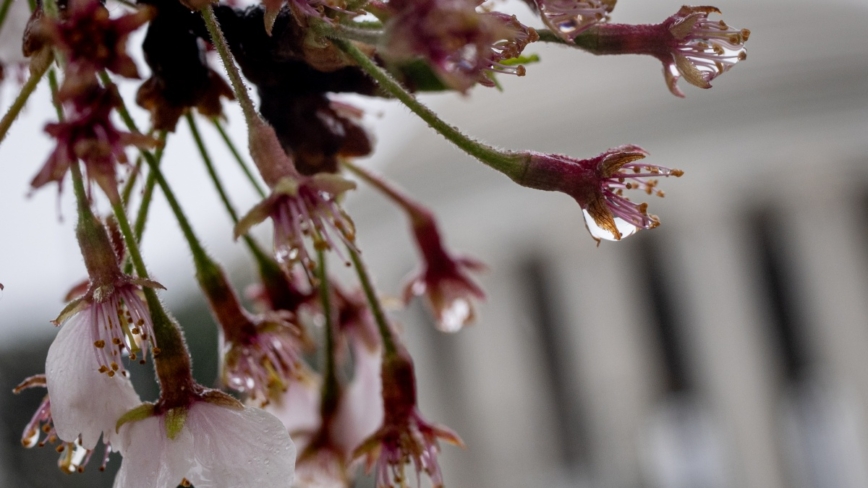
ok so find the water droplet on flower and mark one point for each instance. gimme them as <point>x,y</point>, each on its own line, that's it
<point>625,228</point>
<point>455,315</point>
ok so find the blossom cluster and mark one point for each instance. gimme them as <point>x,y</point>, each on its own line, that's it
<point>315,382</point>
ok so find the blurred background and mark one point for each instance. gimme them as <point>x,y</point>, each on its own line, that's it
<point>727,348</point>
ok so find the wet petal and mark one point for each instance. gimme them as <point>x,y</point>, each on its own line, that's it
<point>151,460</point>
<point>238,448</point>
<point>83,401</point>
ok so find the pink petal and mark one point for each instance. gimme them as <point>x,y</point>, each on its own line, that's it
<point>83,401</point>
<point>238,448</point>
<point>151,460</point>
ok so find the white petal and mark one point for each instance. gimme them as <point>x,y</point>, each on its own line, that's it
<point>151,460</point>
<point>83,401</point>
<point>238,448</point>
<point>298,409</point>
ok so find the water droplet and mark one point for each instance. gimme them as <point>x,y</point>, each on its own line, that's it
<point>625,228</point>
<point>455,315</point>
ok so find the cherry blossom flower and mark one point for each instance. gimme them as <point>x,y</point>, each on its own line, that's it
<point>443,280</point>
<point>116,321</point>
<point>405,436</point>
<point>91,41</point>
<point>301,207</point>
<point>87,398</point>
<point>73,455</point>
<point>515,36</point>
<point>261,361</point>
<point>701,49</point>
<point>89,134</point>
<point>214,442</point>
<point>687,43</point>
<point>261,353</point>
<point>461,45</point>
<point>598,186</point>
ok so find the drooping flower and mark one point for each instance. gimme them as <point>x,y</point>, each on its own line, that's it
<point>687,43</point>
<point>461,45</point>
<point>568,18</point>
<point>598,185</point>
<point>405,436</point>
<point>443,280</point>
<point>91,41</point>
<point>116,322</point>
<point>73,455</point>
<point>87,397</point>
<point>701,49</point>
<point>213,442</point>
<point>301,207</point>
<point>89,134</point>
<point>514,37</point>
<point>261,353</point>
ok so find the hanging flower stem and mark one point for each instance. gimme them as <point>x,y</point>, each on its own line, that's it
<point>228,62</point>
<point>507,162</point>
<point>267,267</point>
<point>55,87</point>
<point>330,387</point>
<point>171,356</point>
<point>148,191</point>
<point>386,334</point>
<point>36,74</point>
<point>244,167</point>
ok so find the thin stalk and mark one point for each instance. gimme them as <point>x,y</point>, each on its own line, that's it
<point>171,357</point>
<point>244,167</point>
<point>209,165</point>
<point>366,34</point>
<point>330,379</point>
<point>389,348</point>
<point>122,107</point>
<point>228,62</point>
<point>4,9</point>
<point>55,88</point>
<point>26,90</point>
<point>257,251</point>
<point>148,191</point>
<point>510,163</point>
<point>199,254</point>
<point>127,192</point>
<point>546,35</point>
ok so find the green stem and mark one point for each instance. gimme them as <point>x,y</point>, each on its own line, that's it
<point>122,107</point>
<point>191,121</point>
<point>228,62</point>
<point>55,88</point>
<point>255,249</point>
<point>148,191</point>
<point>127,192</point>
<point>244,167</point>
<point>78,188</point>
<point>330,385</point>
<point>199,254</point>
<point>21,100</point>
<point>546,35</point>
<point>350,32</point>
<point>171,357</point>
<point>4,9</point>
<point>389,348</point>
<point>510,163</point>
